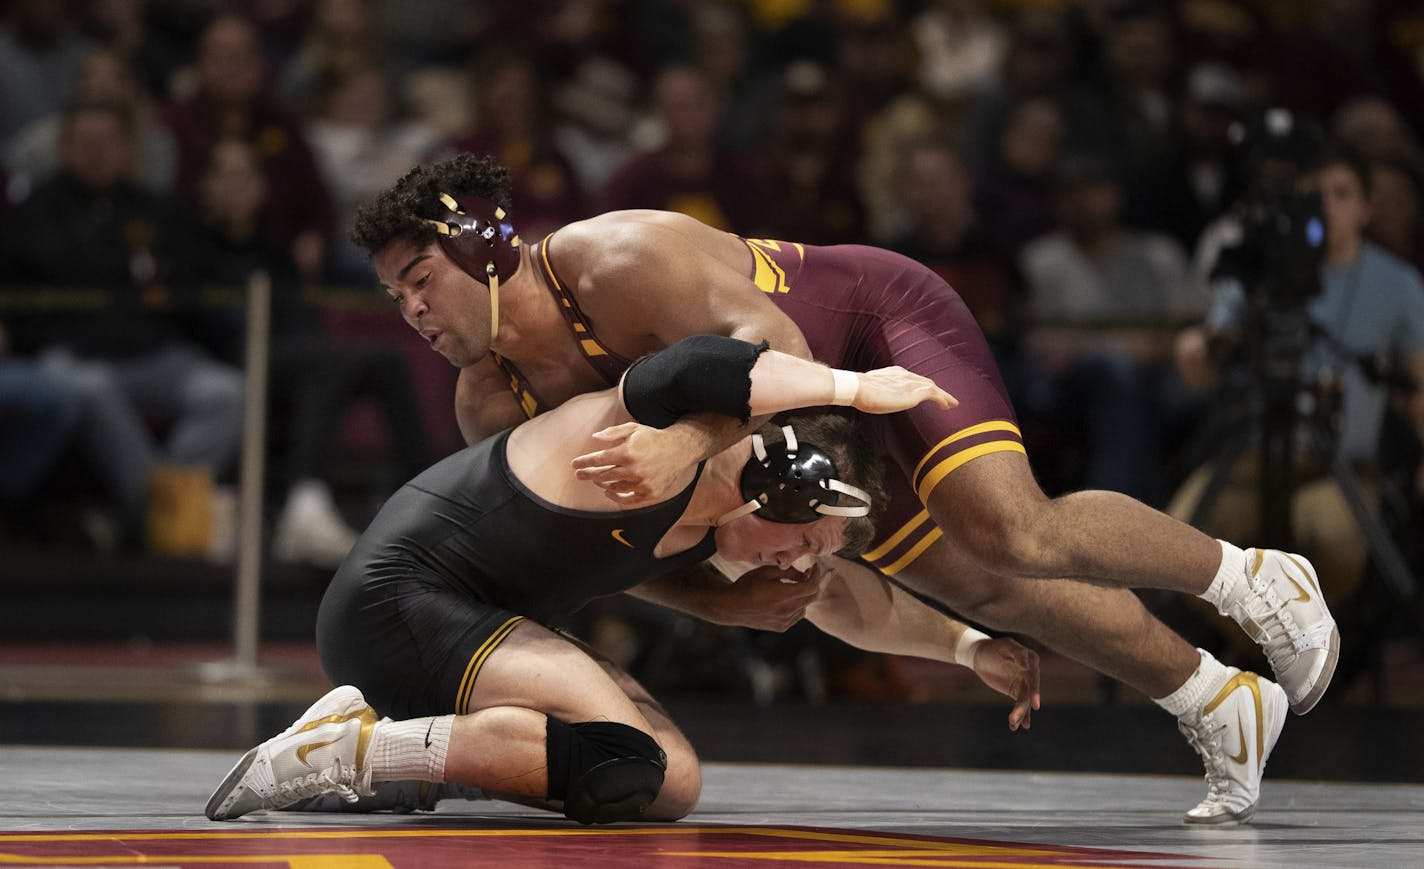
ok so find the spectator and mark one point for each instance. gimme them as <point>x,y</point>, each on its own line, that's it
<point>1038,62</point>
<point>39,417</point>
<point>723,46</point>
<point>230,100</point>
<point>34,151</point>
<point>342,36</point>
<point>1016,190</point>
<point>513,127</point>
<point>1397,208</point>
<point>961,47</point>
<point>805,177</point>
<point>1211,103</point>
<point>89,226</point>
<point>155,39</point>
<point>1372,306</point>
<point>1134,120</point>
<point>594,112</point>
<point>361,149</point>
<point>1373,128</point>
<point>944,234</point>
<point>1103,301</point>
<point>314,379</point>
<point>40,57</point>
<point>687,172</point>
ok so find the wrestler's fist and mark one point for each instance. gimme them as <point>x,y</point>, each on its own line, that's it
<point>887,390</point>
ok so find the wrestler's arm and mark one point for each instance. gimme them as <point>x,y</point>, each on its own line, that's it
<point>855,604</point>
<point>759,600</point>
<point>865,609</point>
<point>676,289</point>
<point>484,404</point>
<point>681,380</point>
<point>702,373</point>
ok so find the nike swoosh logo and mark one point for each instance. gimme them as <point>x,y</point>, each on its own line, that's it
<point>1301,595</point>
<point>1240,757</point>
<point>427,732</point>
<point>367,717</point>
<point>618,535</point>
<point>1243,680</point>
<point>307,749</point>
<point>1304,597</point>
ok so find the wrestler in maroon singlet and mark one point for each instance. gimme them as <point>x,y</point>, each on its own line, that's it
<point>862,308</point>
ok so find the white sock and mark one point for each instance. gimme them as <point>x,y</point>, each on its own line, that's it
<point>1209,674</point>
<point>412,750</point>
<point>1230,578</point>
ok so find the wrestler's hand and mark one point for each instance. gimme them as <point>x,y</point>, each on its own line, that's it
<point>641,465</point>
<point>1010,669</point>
<point>770,598</point>
<point>887,390</point>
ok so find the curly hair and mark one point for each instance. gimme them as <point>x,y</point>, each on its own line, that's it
<point>400,211</point>
<point>856,460</point>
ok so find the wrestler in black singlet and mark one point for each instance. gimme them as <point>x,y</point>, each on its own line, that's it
<point>456,559</point>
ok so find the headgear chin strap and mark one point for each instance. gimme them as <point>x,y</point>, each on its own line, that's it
<point>475,235</point>
<point>794,483</point>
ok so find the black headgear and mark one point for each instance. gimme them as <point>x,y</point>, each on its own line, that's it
<point>794,483</point>
<point>477,237</point>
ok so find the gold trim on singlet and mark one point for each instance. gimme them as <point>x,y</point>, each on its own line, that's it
<point>767,274</point>
<point>915,551</point>
<point>909,541</point>
<point>592,348</point>
<point>925,481</point>
<point>944,468</point>
<point>898,537</point>
<point>477,660</point>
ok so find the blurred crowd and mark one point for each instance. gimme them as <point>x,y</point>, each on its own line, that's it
<point>1059,163</point>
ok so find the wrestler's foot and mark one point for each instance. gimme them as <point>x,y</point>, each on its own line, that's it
<point>399,797</point>
<point>1234,733</point>
<point>321,753</point>
<point>1280,607</point>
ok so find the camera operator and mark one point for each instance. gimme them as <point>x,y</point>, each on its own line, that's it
<point>1362,334</point>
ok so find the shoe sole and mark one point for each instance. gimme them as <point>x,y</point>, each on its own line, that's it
<point>228,785</point>
<point>1241,817</point>
<point>1322,682</point>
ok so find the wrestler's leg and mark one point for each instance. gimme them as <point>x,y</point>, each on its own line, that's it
<point>994,512</point>
<point>500,745</point>
<point>1107,629</point>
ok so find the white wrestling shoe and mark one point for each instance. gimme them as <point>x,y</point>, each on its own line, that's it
<point>1234,733</point>
<point>1282,609</point>
<point>323,752</point>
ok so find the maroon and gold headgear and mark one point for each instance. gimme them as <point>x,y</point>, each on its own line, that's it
<point>477,236</point>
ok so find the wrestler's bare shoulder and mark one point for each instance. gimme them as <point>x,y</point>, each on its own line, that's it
<point>615,238</point>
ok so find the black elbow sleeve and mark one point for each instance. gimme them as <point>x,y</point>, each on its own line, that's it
<point>703,373</point>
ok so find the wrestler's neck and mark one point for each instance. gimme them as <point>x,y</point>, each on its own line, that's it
<point>719,489</point>
<point>528,316</point>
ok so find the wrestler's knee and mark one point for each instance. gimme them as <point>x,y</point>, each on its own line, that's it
<point>682,786</point>
<point>603,771</point>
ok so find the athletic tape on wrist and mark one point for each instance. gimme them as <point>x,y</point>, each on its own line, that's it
<point>847,385</point>
<point>964,649</point>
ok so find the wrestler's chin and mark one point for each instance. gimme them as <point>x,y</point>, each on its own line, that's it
<point>731,545</point>
<point>453,353</point>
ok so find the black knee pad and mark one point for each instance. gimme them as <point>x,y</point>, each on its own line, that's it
<point>603,771</point>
